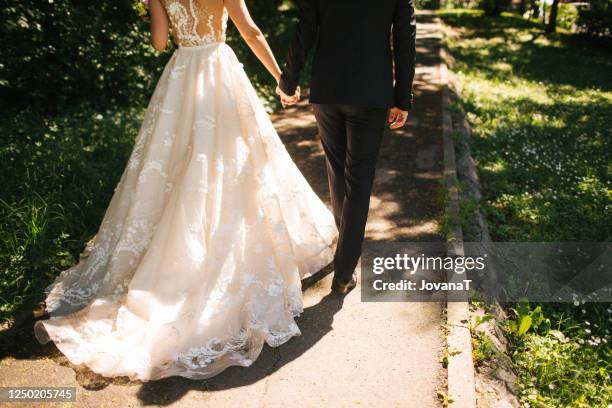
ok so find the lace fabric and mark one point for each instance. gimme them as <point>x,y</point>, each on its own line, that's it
<point>197,262</point>
<point>197,22</point>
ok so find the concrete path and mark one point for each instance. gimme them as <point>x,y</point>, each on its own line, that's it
<point>350,353</point>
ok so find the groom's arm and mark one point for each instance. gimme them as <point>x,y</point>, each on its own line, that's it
<point>404,51</point>
<point>302,42</point>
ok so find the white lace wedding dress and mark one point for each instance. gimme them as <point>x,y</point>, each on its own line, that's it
<point>199,256</point>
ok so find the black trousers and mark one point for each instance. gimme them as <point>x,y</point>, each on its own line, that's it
<point>351,138</point>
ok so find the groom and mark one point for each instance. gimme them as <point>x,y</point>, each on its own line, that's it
<point>361,46</point>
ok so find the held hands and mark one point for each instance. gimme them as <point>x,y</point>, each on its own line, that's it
<point>397,118</point>
<point>287,100</point>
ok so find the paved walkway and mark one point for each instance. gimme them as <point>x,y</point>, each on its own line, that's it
<point>351,353</point>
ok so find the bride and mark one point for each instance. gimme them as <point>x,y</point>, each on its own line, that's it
<point>199,257</point>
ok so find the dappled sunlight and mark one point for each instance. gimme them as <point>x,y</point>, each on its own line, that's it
<point>495,167</point>
<point>502,66</point>
<point>540,113</point>
<point>427,175</point>
<point>382,227</point>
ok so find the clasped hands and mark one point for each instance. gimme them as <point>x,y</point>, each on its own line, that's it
<point>287,100</point>
<point>397,117</point>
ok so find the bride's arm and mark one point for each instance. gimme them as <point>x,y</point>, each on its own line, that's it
<point>159,25</point>
<point>253,36</point>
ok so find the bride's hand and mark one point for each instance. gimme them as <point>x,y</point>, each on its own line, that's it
<point>287,100</point>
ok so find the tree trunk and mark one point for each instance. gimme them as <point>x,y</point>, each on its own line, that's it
<point>551,27</point>
<point>534,9</point>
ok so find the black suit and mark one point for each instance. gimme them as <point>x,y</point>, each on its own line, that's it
<point>352,88</point>
<point>353,61</point>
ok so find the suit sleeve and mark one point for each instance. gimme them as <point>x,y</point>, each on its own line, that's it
<point>301,43</point>
<point>404,52</point>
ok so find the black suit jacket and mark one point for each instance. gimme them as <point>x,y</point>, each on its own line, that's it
<point>353,61</point>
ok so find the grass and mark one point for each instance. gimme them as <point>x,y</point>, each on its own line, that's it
<point>58,175</point>
<point>539,109</point>
<point>567,360</point>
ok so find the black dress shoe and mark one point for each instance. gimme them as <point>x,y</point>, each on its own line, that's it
<point>346,287</point>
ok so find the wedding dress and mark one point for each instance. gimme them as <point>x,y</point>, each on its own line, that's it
<point>199,256</point>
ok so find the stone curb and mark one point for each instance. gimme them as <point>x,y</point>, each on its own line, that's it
<point>495,388</point>
<point>461,378</point>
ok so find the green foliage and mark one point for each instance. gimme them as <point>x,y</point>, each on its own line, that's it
<point>59,53</point>
<point>443,398</point>
<point>493,8</point>
<point>141,9</point>
<point>566,364</point>
<point>427,4</point>
<point>567,16</point>
<point>539,111</point>
<point>459,4</point>
<point>484,350</point>
<point>58,175</point>
<point>526,319</point>
<point>596,20</point>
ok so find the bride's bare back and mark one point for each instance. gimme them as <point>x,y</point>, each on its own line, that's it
<point>196,22</point>
<point>200,22</point>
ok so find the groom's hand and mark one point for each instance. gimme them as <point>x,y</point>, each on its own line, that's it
<point>397,118</point>
<point>287,100</point>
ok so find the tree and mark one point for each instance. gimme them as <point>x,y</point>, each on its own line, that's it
<point>551,27</point>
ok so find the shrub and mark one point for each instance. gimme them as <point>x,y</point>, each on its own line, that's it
<point>567,16</point>
<point>59,53</point>
<point>596,20</point>
<point>427,4</point>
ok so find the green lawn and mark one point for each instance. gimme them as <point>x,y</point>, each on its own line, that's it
<point>540,110</point>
